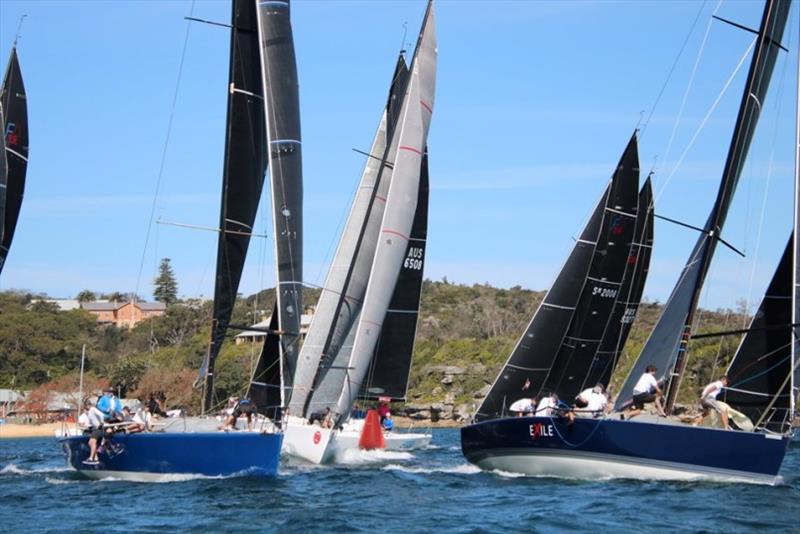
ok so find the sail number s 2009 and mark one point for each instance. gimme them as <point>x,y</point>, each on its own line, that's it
<point>414,258</point>
<point>604,292</point>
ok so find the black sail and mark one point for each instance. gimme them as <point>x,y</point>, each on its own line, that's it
<point>265,384</point>
<point>15,133</point>
<point>281,88</point>
<point>3,177</point>
<point>601,288</point>
<point>760,369</point>
<point>630,294</point>
<point>389,372</point>
<point>667,344</point>
<point>529,363</point>
<point>243,176</point>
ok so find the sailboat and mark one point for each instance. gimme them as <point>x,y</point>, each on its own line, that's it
<point>13,151</point>
<point>365,319</point>
<point>262,133</point>
<point>662,448</point>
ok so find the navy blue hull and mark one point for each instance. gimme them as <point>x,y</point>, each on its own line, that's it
<point>628,446</point>
<point>210,454</point>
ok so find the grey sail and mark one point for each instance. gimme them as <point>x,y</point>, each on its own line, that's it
<point>398,217</point>
<point>243,177</point>
<point>346,282</point>
<point>630,297</point>
<point>666,348</point>
<point>390,368</point>
<point>529,363</point>
<point>282,111</point>
<point>603,281</point>
<point>759,371</point>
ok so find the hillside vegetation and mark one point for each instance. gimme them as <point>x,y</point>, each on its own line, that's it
<point>464,336</point>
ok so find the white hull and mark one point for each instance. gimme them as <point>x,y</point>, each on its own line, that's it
<point>135,476</point>
<point>319,445</point>
<point>593,466</point>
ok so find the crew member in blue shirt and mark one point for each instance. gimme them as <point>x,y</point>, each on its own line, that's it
<point>110,406</point>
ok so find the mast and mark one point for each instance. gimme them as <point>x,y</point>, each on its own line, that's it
<point>794,369</point>
<point>14,105</point>
<point>243,177</point>
<point>667,345</point>
<point>3,176</point>
<point>282,114</point>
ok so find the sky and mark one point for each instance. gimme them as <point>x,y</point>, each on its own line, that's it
<point>535,102</point>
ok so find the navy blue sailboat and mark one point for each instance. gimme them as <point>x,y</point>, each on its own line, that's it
<point>662,448</point>
<point>258,137</point>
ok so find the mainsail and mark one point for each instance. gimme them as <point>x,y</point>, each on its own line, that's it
<point>3,177</point>
<point>630,294</point>
<point>282,110</point>
<point>667,344</point>
<point>243,176</point>
<point>323,358</point>
<point>601,288</point>
<point>529,363</point>
<point>391,365</point>
<point>14,105</point>
<point>759,372</point>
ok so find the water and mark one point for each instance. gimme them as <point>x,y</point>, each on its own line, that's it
<point>424,491</point>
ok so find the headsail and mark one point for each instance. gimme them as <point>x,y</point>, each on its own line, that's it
<point>603,282</point>
<point>391,365</point>
<point>15,133</point>
<point>3,176</point>
<point>529,363</point>
<point>265,384</point>
<point>759,372</point>
<point>666,347</point>
<point>279,70</point>
<point>243,176</point>
<point>319,370</point>
<point>630,294</point>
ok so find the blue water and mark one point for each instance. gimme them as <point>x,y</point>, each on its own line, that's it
<point>426,491</point>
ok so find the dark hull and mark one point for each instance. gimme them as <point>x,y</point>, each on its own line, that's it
<point>605,448</point>
<point>150,456</point>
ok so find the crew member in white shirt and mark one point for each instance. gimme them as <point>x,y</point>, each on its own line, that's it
<point>546,406</point>
<point>708,400</point>
<point>647,390</point>
<point>523,406</point>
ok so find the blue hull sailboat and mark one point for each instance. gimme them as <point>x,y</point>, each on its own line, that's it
<point>262,134</point>
<point>551,358</point>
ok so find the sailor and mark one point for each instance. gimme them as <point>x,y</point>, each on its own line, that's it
<point>523,406</point>
<point>323,417</point>
<point>647,390</point>
<point>83,418</point>
<point>383,407</point>
<point>592,402</point>
<point>243,406</point>
<point>708,400</point>
<point>546,406</point>
<point>388,425</point>
<point>110,406</point>
<point>96,433</point>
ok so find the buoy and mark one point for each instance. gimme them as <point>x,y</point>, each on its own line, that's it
<point>372,433</point>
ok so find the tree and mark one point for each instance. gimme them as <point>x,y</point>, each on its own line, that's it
<point>116,296</point>
<point>166,287</point>
<point>86,296</point>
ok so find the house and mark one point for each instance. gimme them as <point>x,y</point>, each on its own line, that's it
<point>124,314</point>
<point>257,336</point>
<point>9,400</point>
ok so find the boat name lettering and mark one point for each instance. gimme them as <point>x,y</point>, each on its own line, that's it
<point>539,430</point>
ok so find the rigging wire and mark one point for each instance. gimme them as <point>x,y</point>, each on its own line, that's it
<point>164,151</point>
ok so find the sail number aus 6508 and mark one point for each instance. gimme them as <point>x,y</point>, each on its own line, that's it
<point>604,292</point>
<point>414,258</point>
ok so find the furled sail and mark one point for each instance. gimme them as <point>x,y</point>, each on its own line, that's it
<point>279,71</point>
<point>667,344</point>
<point>630,294</point>
<point>320,369</point>
<point>243,176</point>
<point>601,288</point>
<point>14,104</point>
<point>529,363</point>
<point>266,383</point>
<point>759,372</point>
<point>391,365</point>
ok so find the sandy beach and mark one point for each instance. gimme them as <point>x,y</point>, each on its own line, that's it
<point>11,430</point>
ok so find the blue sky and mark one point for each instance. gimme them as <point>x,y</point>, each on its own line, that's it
<point>535,103</point>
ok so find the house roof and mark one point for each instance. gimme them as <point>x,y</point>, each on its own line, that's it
<point>9,395</point>
<point>111,306</point>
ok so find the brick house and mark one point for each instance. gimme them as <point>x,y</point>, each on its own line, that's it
<point>124,314</point>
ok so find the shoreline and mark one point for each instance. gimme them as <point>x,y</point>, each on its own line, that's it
<point>14,430</point>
